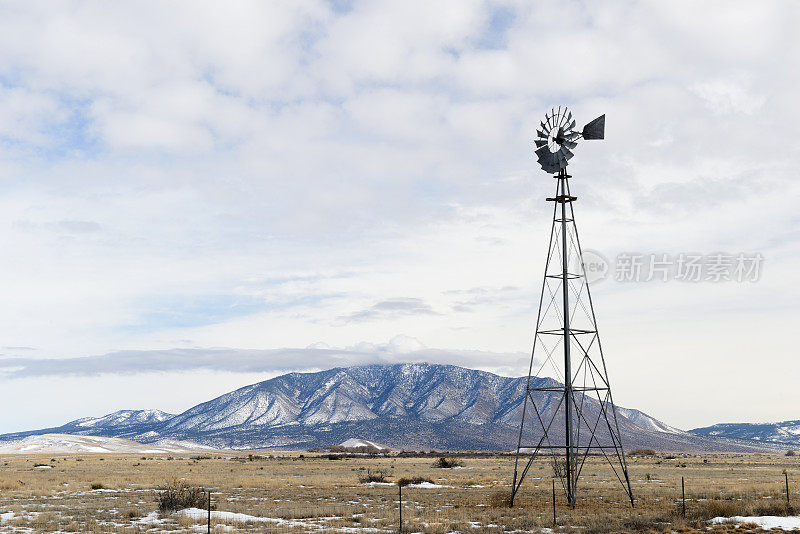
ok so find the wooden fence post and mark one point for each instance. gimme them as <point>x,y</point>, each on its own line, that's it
<point>554,504</point>
<point>209,512</point>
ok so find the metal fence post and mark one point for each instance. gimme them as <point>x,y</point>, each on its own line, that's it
<point>683,499</point>
<point>786,477</point>
<point>400,492</point>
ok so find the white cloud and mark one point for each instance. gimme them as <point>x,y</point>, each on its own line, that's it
<point>191,175</point>
<point>724,97</point>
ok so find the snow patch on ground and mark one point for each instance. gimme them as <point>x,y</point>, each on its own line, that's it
<point>149,519</point>
<point>315,524</point>
<point>232,517</point>
<point>427,485</point>
<point>767,522</point>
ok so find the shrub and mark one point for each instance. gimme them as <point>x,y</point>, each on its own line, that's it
<point>559,466</point>
<point>177,495</point>
<point>447,463</point>
<point>642,452</point>
<point>716,508</point>
<point>772,508</point>
<point>376,476</point>
<point>730,508</point>
<point>97,485</point>
<point>638,524</point>
<point>790,453</point>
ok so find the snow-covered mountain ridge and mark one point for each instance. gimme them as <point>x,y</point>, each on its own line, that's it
<point>781,432</point>
<point>411,406</point>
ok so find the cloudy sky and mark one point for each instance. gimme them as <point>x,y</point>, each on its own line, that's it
<point>196,196</point>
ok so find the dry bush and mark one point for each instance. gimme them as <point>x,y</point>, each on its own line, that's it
<point>97,486</point>
<point>373,476</point>
<point>559,466</point>
<point>447,463</point>
<point>177,495</point>
<point>642,452</point>
<point>715,508</point>
<point>790,453</point>
<point>730,508</point>
<point>771,508</point>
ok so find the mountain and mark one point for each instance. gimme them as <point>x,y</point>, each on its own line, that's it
<point>116,422</point>
<point>71,444</point>
<point>404,406</point>
<point>784,432</point>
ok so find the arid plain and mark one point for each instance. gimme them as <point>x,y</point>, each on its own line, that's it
<point>304,492</point>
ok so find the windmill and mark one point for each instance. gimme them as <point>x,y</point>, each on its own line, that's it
<point>568,408</point>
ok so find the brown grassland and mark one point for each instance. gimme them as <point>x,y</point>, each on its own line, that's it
<point>294,493</point>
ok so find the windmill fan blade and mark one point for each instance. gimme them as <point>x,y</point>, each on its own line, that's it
<point>541,134</point>
<point>549,166</point>
<point>570,144</point>
<point>548,160</point>
<point>540,143</point>
<point>566,153</point>
<point>571,126</point>
<point>595,129</point>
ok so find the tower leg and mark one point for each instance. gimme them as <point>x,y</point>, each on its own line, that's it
<point>570,460</point>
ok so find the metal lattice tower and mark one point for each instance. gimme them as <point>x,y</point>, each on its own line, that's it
<point>568,411</point>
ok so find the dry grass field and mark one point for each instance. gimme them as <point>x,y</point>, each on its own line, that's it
<point>308,493</point>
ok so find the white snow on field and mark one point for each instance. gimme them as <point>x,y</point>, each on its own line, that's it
<point>151,518</point>
<point>427,485</point>
<point>766,522</point>
<point>42,466</point>
<point>75,444</point>
<point>315,524</point>
<point>8,516</point>
<point>355,442</point>
<point>232,517</point>
<point>197,513</point>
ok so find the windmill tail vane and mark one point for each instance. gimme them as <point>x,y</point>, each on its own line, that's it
<point>568,412</point>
